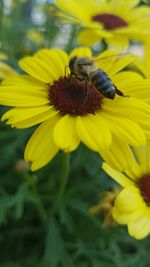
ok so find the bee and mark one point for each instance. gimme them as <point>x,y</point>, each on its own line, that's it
<point>84,69</point>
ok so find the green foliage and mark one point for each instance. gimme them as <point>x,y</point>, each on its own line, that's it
<point>37,232</point>
<point>43,222</point>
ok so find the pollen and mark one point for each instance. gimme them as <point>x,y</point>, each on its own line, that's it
<point>110,21</point>
<point>144,186</point>
<point>74,97</point>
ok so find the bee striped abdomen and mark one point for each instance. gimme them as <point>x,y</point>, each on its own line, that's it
<point>103,84</point>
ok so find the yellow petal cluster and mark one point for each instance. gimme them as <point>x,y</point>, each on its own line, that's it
<point>124,119</point>
<point>128,169</point>
<point>117,22</point>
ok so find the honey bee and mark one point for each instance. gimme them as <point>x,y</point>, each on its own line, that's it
<point>84,69</point>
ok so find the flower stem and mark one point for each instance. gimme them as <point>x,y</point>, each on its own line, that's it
<point>63,175</point>
<point>41,211</point>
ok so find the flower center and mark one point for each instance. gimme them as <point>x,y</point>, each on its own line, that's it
<point>74,97</point>
<point>110,21</point>
<point>144,186</point>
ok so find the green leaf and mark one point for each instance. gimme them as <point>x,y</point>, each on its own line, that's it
<point>4,206</point>
<point>65,216</point>
<point>53,245</point>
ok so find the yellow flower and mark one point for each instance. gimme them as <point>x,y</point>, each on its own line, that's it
<point>142,64</point>
<point>142,61</point>
<point>6,70</point>
<point>3,56</point>
<point>115,21</point>
<point>35,36</point>
<point>105,206</point>
<point>131,169</point>
<point>66,114</point>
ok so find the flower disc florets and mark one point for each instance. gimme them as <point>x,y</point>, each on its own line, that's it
<point>74,97</point>
<point>110,21</point>
<point>144,186</point>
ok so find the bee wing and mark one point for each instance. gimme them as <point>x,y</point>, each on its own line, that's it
<point>113,62</point>
<point>113,56</point>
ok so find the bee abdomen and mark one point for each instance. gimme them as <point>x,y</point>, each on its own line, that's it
<point>103,84</point>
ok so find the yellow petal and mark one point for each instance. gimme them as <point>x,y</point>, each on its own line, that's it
<point>143,23</point>
<point>73,8</point>
<point>65,135</point>
<point>140,12</point>
<point>132,108</point>
<point>12,96</point>
<point>120,157</point>
<point>6,70</point>
<point>130,4</point>
<point>46,65</point>
<point>117,41</point>
<point>143,156</point>
<point>3,56</point>
<point>112,61</point>
<point>129,199</point>
<point>81,52</point>
<point>38,69</point>
<point>123,77</point>
<point>146,59</point>
<point>93,132</point>
<point>106,60</point>
<point>25,81</point>
<point>27,117</point>
<point>125,129</point>
<point>54,59</point>
<point>128,206</point>
<point>138,88</point>
<point>41,147</point>
<point>126,217</point>
<point>117,176</point>
<point>141,66</point>
<point>140,228</point>
<point>91,36</point>
<point>124,4</point>
<point>111,159</point>
<point>22,90</point>
<point>120,63</point>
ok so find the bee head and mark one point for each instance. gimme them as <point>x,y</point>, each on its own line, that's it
<point>72,63</point>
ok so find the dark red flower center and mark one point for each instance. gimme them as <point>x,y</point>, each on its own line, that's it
<point>73,97</point>
<point>144,186</point>
<point>110,21</point>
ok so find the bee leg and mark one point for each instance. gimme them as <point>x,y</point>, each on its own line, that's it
<point>118,92</point>
<point>86,85</point>
<point>85,78</point>
<point>73,76</point>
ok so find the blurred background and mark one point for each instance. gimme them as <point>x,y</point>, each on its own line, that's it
<point>37,230</point>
